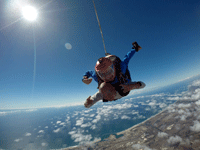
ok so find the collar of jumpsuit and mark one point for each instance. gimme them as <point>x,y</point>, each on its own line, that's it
<point>105,68</point>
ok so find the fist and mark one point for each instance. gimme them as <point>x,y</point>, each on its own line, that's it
<point>87,81</point>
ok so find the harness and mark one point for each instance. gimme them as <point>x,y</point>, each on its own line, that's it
<point>122,78</point>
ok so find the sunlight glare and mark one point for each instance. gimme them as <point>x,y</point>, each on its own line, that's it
<point>68,46</point>
<point>29,13</point>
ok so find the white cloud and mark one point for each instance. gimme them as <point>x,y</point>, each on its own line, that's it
<point>62,124</point>
<point>196,83</point>
<point>72,132</point>
<point>158,95</point>
<point>41,131</point>
<point>86,125</point>
<point>44,144</point>
<point>77,136</point>
<point>79,122</point>
<point>98,117</point>
<point>196,126</point>
<point>184,105</point>
<point>108,111</point>
<point>88,110</point>
<point>58,122</point>
<point>3,113</point>
<point>115,116</point>
<point>93,127</point>
<point>30,110</point>
<point>162,134</point>
<point>39,136</point>
<point>18,140</point>
<point>162,105</point>
<point>173,98</point>
<point>57,130</point>
<point>134,112</point>
<point>142,103</point>
<point>92,143</point>
<point>81,137</point>
<point>46,127</point>
<point>125,117</point>
<point>196,94</point>
<point>147,109</point>
<point>152,103</point>
<point>193,93</point>
<point>140,116</point>
<point>181,111</point>
<point>92,115</point>
<point>197,102</point>
<point>174,140</point>
<point>27,134</point>
<point>68,118</point>
<point>183,118</point>
<point>140,147</point>
<point>120,106</point>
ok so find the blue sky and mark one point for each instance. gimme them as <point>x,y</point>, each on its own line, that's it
<point>168,32</point>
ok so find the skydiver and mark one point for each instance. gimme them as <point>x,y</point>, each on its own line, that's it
<point>113,78</point>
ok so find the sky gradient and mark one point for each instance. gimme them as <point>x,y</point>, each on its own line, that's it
<point>39,70</point>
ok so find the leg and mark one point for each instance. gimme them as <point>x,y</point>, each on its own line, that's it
<point>91,100</point>
<point>133,85</point>
<point>108,91</point>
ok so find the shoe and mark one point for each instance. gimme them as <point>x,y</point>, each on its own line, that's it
<point>136,46</point>
<point>142,84</point>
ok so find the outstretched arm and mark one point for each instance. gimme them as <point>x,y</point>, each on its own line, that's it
<point>130,54</point>
<point>89,74</point>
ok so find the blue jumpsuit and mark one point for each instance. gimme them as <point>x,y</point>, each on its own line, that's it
<point>123,65</point>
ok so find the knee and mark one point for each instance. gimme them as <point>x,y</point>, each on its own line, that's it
<point>108,91</point>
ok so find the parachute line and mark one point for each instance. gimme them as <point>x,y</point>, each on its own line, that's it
<point>99,27</point>
<point>34,69</point>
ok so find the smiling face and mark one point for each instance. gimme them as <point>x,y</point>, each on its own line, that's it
<point>108,74</point>
<point>105,69</point>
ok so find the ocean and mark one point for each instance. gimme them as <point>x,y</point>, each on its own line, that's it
<point>56,128</point>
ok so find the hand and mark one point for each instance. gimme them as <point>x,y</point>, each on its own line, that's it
<point>136,46</point>
<point>87,80</point>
